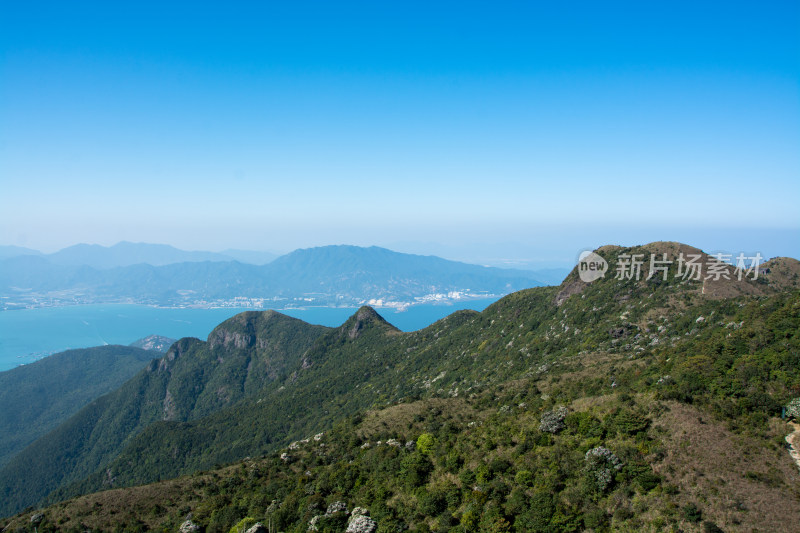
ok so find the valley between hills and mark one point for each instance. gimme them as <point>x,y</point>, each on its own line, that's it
<point>657,403</point>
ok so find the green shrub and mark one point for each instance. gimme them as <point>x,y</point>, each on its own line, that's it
<point>415,468</point>
<point>524,478</point>
<point>691,513</point>
<point>243,525</point>
<point>425,443</point>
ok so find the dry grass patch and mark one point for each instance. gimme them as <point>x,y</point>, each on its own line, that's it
<point>738,482</point>
<point>405,416</point>
<point>150,505</point>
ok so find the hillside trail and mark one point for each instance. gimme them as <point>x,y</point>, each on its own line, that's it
<point>794,442</point>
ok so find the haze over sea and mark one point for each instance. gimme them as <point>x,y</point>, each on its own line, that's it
<point>29,334</point>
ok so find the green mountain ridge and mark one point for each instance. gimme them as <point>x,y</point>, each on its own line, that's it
<point>637,331</point>
<point>39,396</point>
<point>176,387</point>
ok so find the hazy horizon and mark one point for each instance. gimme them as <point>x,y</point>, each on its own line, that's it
<point>545,255</point>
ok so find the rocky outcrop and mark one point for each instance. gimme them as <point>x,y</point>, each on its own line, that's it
<point>364,319</point>
<point>239,331</point>
<point>227,338</point>
<point>360,522</point>
<point>170,409</point>
<point>569,288</point>
<point>189,527</point>
<point>364,316</point>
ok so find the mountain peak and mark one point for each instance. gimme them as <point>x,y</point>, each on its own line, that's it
<point>363,320</point>
<point>251,328</point>
<point>690,269</point>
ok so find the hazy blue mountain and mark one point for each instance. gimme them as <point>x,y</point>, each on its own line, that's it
<point>154,343</point>
<point>377,272</point>
<point>128,253</point>
<point>328,275</point>
<point>15,251</point>
<point>37,397</point>
<point>249,256</point>
<point>35,273</point>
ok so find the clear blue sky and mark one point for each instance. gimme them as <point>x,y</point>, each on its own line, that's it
<point>481,130</point>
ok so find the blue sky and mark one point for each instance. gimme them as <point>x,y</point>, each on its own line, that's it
<point>476,130</point>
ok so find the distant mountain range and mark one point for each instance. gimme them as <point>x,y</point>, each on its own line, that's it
<point>16,251</point>
<point>162,275</point>
<point>128,253</point>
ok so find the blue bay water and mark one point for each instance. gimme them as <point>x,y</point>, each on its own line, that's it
<point>30,334</point>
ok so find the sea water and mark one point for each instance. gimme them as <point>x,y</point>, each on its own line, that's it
<point>27,335</point>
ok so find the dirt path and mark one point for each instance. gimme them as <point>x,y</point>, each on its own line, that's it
<point>794,442</point>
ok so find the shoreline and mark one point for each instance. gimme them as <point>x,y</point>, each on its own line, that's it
<point>398,306</point>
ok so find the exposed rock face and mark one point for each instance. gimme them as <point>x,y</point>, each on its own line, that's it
<point>258,527</point>
<point>568,289</point>
<point>176,351</point>
<point>223,337</point>
<point>360,511</point>
<point>189,527</point>
<point>240,331</point>
<point>364,318</point>
<point>336,507</point>
<point>362,524</point>
<point>170,410</point>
